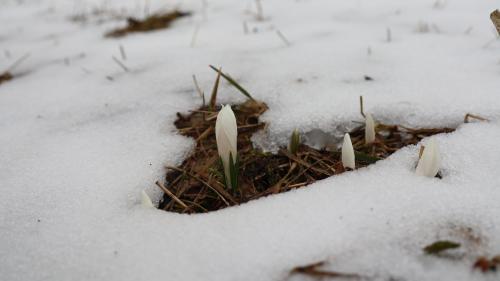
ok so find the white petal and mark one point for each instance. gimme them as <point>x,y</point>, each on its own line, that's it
<point>348,153</point>
<point>430,162</point>
<point>369,129</point>
<point>145,200</point>
<point>226,134</point>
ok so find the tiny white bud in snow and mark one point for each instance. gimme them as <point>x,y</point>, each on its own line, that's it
<point>348,153</point>
<point>145,200</point>
<point>226,134</point>
<point>369,129</point>
<point>429,163</point>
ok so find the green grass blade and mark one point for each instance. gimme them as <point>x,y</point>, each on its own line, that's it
<point>233,82</point>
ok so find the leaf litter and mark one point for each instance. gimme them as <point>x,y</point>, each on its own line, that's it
<point>150,23</point>
<point>197,185</point>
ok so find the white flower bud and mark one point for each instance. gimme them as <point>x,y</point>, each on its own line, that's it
<point>226,134</point>
<point>145,200</point>
<point>429,163</point>
<point>348,153</point>
<point>369,129</point>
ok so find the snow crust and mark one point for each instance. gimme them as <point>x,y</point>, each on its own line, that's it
<point>77,149</point>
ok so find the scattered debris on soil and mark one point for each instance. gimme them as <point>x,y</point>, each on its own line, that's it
<point>153,22</point>
<point>6,76</point>
<point>439,246</point>
<point>487,265</point>
<point>313,270</point>
<point>196,186</point>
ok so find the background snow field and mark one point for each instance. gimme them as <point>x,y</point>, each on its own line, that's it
<point>77,148</point>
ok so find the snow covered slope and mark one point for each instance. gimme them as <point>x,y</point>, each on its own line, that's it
<point>80,138</point>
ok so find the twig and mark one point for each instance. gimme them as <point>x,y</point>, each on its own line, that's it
<point>287,43</point>
<point>468,30</point>
<point>120,64</point>
<point>17,62</point>
<point>361,107</point>
<point>195,35</point>
<point>218,192</point>
<point>490,42</point>
<point>85,70</point>
<point>388,35</point>
<point>276,188</point>
<point>305,164</point>
<point>312,270</point>
<point>213,97</point>
<point>198,89</point>
<point>468,116</point>
<point>233,82</point>
<point>122,53</point>
<point>171,195</point>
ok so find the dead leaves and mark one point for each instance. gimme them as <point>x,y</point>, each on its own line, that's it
<point>153,22</point>
<point>495,18</point>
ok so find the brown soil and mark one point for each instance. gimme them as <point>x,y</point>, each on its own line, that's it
<point>153,22</point>
<point>196,186</point>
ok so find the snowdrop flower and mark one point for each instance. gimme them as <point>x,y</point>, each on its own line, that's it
<point>348,153</point>
<point>226,134</point>
<point>429,163</point>
<point>145,200</point>
<point>369,129</point>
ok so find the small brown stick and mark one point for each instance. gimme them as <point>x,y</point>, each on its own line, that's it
<point>125,68</point>
<point>195,35</point>
<point>312,270</point>
<point>218,192</point>
<point>276,188</point>
<point>233,82</point>
<point>421,151</point>
<point>303,163</point>
<point>249,126</point>
<point>198,205</point>
<point>171,195</point>
<point>468,116</point>
<point>198,89</point>
<point>287,43</point>
<point>361,107</point>
<point>122,52</point>
<point>17,62</point>
<point>300,184</point>
<point>213,97</point>
<point>300,174</point>
<point>204,134</point>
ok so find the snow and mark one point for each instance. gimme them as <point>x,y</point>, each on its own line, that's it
<point>77,148</point>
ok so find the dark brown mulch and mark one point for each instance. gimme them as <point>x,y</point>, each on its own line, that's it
<point>153,22</point>
<point>196,186</point>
